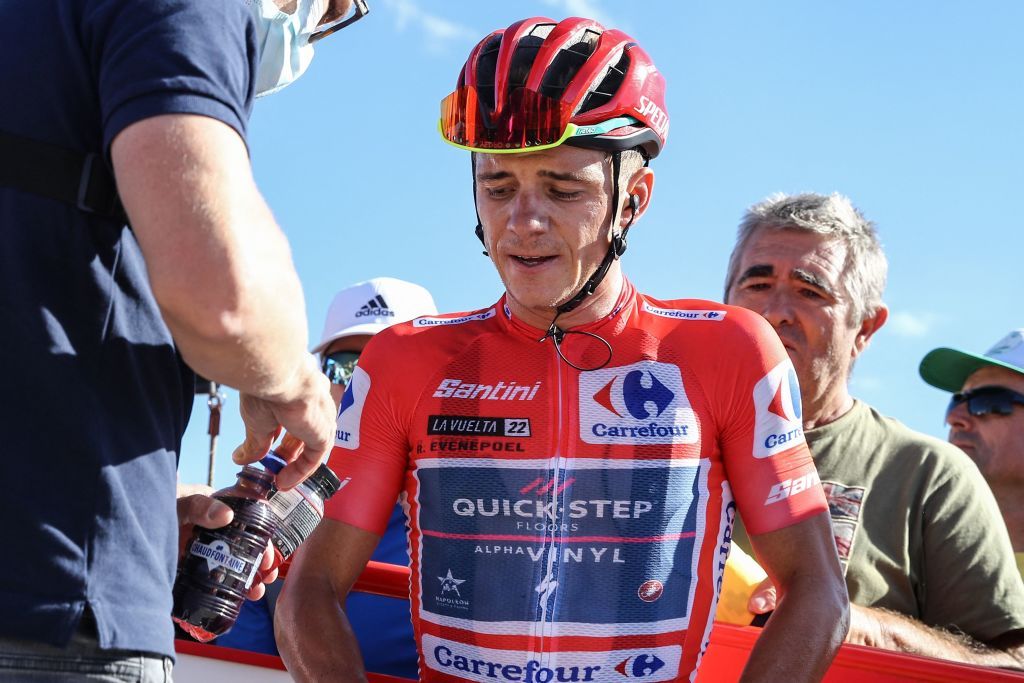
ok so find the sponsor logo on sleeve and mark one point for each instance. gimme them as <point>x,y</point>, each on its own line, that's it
<point>778,418</point>
<point>642,403</point>
<point>791,487</point>
<point>680,314</point>
<point>350,411</point>
<point>437,322</point>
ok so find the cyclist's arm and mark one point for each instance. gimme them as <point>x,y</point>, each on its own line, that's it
<point>313,635</point>
<point>812,616</point>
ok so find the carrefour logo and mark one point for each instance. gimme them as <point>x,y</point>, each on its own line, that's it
<point>636,395</point>
<point>641,403</point>
<point>778,414</point>
<point>640,666</point>
<point>486,665</point>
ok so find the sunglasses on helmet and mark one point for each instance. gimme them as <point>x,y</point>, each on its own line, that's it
<point>987,401</point>
<point>339,366</point>
<point>530,122</point>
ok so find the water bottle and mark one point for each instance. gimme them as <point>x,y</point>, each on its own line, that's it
<point>299,510</point>
<point>219,565</point>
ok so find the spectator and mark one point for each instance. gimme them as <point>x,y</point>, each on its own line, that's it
<point>381,624</point>
<point>564,452</point>
<point>924,552</point>
<point>141,104</point>
<point>986,419</point>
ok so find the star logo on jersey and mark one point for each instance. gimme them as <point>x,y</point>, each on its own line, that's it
<point>777,412</point>
<point>449,584</point>
<point>643,402</point>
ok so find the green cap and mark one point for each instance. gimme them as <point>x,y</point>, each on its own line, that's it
<point>948,369</point>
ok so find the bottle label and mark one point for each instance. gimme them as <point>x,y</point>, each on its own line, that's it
<point>255,567</point>
<point>218,554</point>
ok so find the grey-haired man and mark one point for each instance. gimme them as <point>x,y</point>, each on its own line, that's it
<point>917,530</point>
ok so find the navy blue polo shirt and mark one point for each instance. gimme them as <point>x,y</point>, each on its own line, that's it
<point>95,395</point>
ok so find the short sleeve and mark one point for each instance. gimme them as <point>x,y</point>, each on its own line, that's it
<point>767,462</point>
<point>154,57</point>
<point>967,555</point>
<point>371,451</point>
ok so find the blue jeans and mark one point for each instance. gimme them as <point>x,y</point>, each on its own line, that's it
<point>81,660</point>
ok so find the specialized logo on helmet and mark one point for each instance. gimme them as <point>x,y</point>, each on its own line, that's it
<point>640,666</point>
<point>350,411</point>
<point>640,403</point>
<point>778,415</point>
<point>655,115</point>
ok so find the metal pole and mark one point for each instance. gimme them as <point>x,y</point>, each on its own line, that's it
<point>215,402</point>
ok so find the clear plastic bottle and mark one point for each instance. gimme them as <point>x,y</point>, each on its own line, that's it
<point>300,509</point>
<point>220,565</point>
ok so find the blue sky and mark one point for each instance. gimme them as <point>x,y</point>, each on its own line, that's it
<point>913,109</point>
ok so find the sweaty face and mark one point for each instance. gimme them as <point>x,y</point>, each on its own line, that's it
<point>546,218</point>
<point>794,279</point>
<point>994,442</point>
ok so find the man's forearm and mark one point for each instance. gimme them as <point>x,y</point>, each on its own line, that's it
<point>816,620</point>
<point>315,639</point>
<point>219,267</point>
<point>892,631</point>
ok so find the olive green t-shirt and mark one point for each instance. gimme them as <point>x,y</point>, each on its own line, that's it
<point>916,526</point>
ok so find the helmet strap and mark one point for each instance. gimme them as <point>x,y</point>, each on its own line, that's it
<point>616,249</point>
<point>479,230</point>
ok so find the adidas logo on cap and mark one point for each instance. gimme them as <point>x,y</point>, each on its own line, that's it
<point>375,308</point>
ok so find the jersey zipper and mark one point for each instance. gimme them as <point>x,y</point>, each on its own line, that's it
<point>547,589</point>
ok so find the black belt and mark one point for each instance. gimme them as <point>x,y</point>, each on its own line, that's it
<point>75,178</point>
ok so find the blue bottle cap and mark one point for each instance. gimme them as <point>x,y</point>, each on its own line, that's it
<point>272,462</point>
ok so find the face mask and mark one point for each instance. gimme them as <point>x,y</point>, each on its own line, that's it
<point>283,39</point>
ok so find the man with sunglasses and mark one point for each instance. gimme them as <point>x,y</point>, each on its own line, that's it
<point>571,457</point>
<point>134,241</point>
<point>986,419</point>
<point>923,549</point>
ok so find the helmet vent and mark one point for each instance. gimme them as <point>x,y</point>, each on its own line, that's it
<point>524,55</point>
<point>486,66</point>
<point>567,63</point>
<point>605,90</point>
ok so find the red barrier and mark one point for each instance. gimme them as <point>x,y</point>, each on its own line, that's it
<point>724,660</point>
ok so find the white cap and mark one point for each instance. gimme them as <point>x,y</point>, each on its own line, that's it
<point>371,306</point>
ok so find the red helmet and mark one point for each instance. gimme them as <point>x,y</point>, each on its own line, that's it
<point>541,83</point>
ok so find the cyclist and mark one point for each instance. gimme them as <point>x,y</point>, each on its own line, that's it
<point>571,457</point>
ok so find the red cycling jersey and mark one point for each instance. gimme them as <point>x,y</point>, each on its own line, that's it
<point>567,525</point>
